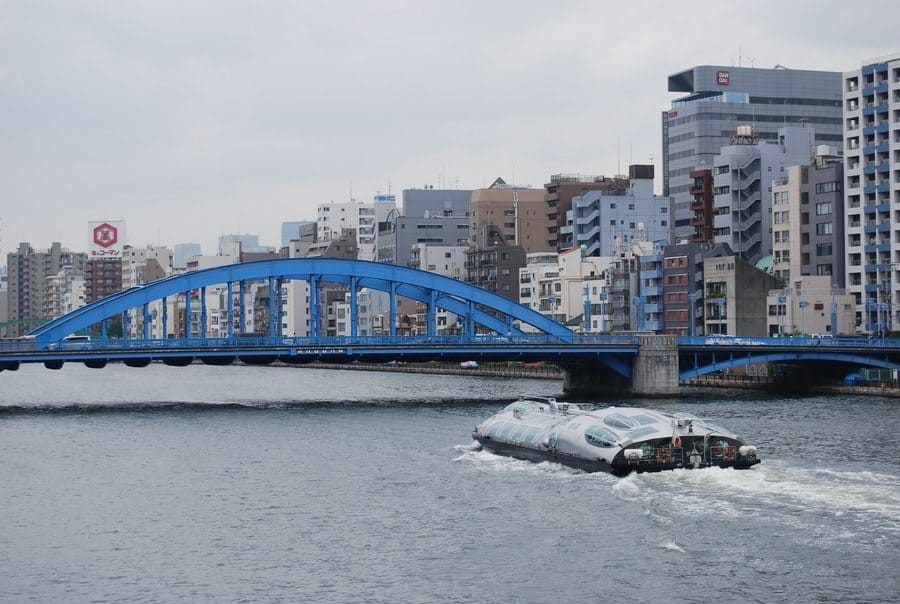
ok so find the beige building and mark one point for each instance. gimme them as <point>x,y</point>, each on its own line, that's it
<point>518,214</point>
<point>735,294</point>
<point>809,306</point>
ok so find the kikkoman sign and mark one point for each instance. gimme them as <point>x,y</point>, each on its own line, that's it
<point>107,238</point>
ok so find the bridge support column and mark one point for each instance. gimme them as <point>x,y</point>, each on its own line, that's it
<point>241,308</point>
<point>165,318</point>
<point>470,319</point>
<point>203,331</point>
<point>271,307</point>
<point>230,310</point>
<point>655,368</point>
<point>654,372</point>
<point>314,306</point>
<point>146,321</point>
<point>187,314</point>
<point>354,312</point>
<point>430,318</point>
<point>393,312</point>
<point>279,308</point>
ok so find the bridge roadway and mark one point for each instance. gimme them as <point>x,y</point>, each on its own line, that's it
<point>614,360</point>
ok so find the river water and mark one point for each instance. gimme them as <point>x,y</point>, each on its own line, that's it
<point>289,484</point>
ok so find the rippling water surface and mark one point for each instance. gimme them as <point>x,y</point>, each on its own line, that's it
<point>261,484</point>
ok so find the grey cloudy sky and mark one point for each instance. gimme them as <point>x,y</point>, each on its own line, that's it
<point>194,119</point>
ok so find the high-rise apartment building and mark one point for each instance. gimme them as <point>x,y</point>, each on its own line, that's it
<point>872,191</point>
<point>718,99</point>
<point>103,276</point>
<point>27,272</point>
<point>701,205</point>
<point>807,220</point>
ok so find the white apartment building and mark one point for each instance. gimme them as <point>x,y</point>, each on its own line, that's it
<point>135,259</point>
<point>332,218</point>
<point>446,260</point>
<point>872,191</point>
<point>556,285</point>
<point>64,292</point>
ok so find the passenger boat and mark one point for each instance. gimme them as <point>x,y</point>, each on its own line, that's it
<point>618,440</point>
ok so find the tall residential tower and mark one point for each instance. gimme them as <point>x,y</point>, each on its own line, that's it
<point>872,191</point>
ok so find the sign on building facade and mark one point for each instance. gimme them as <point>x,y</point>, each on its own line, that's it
<point>107,237</point>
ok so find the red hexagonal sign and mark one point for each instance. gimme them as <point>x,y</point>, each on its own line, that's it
<point>106,235</point>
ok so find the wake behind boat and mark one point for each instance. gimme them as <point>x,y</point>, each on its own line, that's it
<point>618,440</point>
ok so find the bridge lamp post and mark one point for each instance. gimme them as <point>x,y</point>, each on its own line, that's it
<point>587,309</point>
<point>834,327</point>
<point>782,307</point>
<point>603,298</point>
<point>692,301</point>
<point>803,304</point>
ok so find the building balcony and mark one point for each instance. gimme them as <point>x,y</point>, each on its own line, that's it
<point>882,187</point>
<point>874,208</point>
<point>874,248</point>
<point>882,127</point>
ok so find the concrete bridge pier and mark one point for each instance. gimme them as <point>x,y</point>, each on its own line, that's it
<point>654,372</point>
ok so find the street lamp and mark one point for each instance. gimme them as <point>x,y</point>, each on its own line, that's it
<point>692,301</point>
<point>587,309</point>
<point>602,311</point>
<point>834,328</point>
<point>803,304</point>
<point>782,310</point>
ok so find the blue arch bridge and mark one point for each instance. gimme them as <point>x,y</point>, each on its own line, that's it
<point>490,328</point>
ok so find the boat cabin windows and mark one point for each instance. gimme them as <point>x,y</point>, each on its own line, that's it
<point>644,420</point>
<point>617,420</point>
<point>599,437</point>
<point>641,433</point>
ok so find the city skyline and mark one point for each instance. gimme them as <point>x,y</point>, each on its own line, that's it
<point>189,123</point>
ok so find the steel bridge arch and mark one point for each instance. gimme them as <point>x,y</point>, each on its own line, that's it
<point>433,289</point>
<point>854,359</point>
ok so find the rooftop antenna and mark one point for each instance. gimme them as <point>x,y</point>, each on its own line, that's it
<point>618,155</point>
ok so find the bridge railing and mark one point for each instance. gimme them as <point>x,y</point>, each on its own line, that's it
<point>245,341</point>
<point>789,342</point>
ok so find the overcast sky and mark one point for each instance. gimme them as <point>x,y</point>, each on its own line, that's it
<point>194,119</point>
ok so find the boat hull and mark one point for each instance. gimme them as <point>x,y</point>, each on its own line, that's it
<point>590,465</point>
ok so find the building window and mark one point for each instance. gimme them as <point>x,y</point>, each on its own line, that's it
<point>823,249</point>
<point>823,269</point>
<point>823,208</point>
<point>824,228</point>
<point>828,187</point>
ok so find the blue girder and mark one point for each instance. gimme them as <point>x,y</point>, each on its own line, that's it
<point>771,357</point>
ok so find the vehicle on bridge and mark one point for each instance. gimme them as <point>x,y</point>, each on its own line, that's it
<point>618,440</point>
